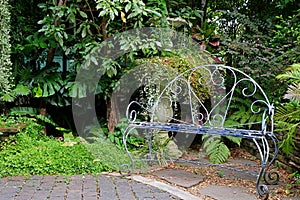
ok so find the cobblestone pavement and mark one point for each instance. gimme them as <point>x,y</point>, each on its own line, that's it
<point>88,187</point>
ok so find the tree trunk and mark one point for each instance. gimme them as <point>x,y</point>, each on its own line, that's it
<point>113,115</point>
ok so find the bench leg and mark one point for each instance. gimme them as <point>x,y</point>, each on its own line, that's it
<point>263,149</point>
<point>149,136</point>
<point>269,177</point>
<point>272,177</point>
<point>126,168</point>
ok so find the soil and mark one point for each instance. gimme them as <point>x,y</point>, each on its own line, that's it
<point>228,176</point>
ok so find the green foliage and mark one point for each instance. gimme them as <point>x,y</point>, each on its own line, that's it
<point>292,75</point>
<point>241,115</point>
<point>287,115</point>
<point>174,64</point>
<point>133,140</point>
<point>257,47</point>
<point>108,154</point>
<point>32,112</point>
<point>33,153</point>
<point>287,118</point>
<point>10,121</point>
<point>287,144</point>
<point>215,148</point>
<point>19,90</point>
<point>5,62</point>
<point>296,177</point>
<point>252,39</point>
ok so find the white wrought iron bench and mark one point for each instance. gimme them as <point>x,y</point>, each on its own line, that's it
<point>223,84</point>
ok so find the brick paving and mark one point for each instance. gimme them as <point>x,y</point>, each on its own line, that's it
<point>87,187</point>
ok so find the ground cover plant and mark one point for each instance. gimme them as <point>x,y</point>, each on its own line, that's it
<point>31,152</point>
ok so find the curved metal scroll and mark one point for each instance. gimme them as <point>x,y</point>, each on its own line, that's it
<point>181,90</point>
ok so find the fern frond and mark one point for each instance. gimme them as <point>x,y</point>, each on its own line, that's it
<point>236,140</point>
<point>217,151</point>
<point>287,144</point>
<point>24,111</point>
<point>219,154</point>
<point>289,112</point>
<point>33,112</point>
<point>294,67</point>
<point>293,92</point>
<point>209,140</point>
<point>241,101</point>
<point>46,119</point>
<point>293,73</point>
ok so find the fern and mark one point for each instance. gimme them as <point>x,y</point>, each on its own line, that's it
<point>242,117</point>
<point>288,114</point>
<point>293,92</point>
<point>236,140</point>
<point>287,119</point>
<point>19,90</point>
<point>217,151</point>
<point>33,112</point>
<point>292,73</point>
<point>242,113</point>
<point>287,144</point>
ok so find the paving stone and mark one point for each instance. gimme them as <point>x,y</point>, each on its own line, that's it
<point>179,177</point>
<point>79,187</point>
<point>29,193</point>
<point>123,189</point>
<point>7,195</point>
<point>73,196</point>
<point>40,195</point>
<point>226,192</point>
<point>90,186</point>
<point>90,198</point>
<point>142,191</point>
<point>108,196</point>
<point>106,188</point>
<point>23,197</point>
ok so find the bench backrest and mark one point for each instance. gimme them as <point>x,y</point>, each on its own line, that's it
<point>213,95</point>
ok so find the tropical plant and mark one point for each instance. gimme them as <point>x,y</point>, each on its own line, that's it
<point>288,114</point>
